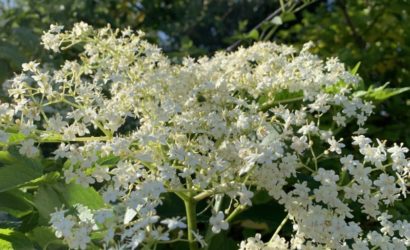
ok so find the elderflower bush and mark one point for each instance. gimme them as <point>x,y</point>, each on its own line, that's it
<point>135,127</point>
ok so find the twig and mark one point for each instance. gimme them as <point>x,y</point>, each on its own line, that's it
<point>272,15</point>
<point>360,42</point>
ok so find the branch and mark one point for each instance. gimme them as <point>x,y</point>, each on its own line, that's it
<point>272,15</point>
<point>282,9</point>
<point>359,40</point>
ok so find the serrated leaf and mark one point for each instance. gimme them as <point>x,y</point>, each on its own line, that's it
<point>381,93</point>
<point>17,170</point>
<point>46,200</point>
<point>52,196</point>
<point>355,68</point>
<point>280,98</point>
<point>75,193</point>
<point>44,237</point>
<point>288,17</point>
<point>15,203</point>
<point>253,34</point>
<point>14,240</point>
<point>109,160</point>
<point>16,138</point>
<point>48,178</point>
<point>335,88</point>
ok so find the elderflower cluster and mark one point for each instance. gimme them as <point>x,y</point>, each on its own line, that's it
<point>221,126</point>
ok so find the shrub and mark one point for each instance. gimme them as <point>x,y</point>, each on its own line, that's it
<point>215,132</point>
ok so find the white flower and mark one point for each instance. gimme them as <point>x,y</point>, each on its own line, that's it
<point>80,238</point>
<point>61,224</point>
<point>30,66</point>
<point>340,119</point>
<point>101,173</point>
<point>137,239</point>
<point>398,152</point>
<point>299,144</point>
<point>28,149</point>
<point>51,41</point>
<point>199,239</point>
<point>85,215</point>
<point>335,146</point>
<point>80,28</point>
<point>361,141</point>
<point>252,243</point>
<point>245,196</point>
<point>326,177</point>
<point>243,122</point>
<point>173,223</point>
<point>218,223</point>
<point>277,243</point>
<point>56,28</point>
<point>56,123</point>
<point>307,129</point>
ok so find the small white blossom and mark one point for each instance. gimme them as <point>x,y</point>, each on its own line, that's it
<point>28,149</point>
<point>173,223</point>
<point>299,144</point>
<point>335,146</point>
<point>218,223</point>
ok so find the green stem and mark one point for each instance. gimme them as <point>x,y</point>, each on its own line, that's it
<point>190,208</point>
<point>77,139</point>
<point>239,209</point>
<point>203,195</point>
<point>267,106</point>
<point>280,227</point>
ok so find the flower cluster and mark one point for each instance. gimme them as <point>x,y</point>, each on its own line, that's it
<point>257,118</point>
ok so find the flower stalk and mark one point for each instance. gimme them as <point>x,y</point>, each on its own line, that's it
<point>190,209</point>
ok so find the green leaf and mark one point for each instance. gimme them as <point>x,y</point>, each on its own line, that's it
<point>16,138</point>
<point>75,193</point>
<point>222,241</point>
<point>253,34</point>
<point>15,203</point>
<point>14,240</point>
<point>5,71</point>
<point>381,93</point>
<point>109,160</point>
<point>280,98</point>
<point>52,196</point>
<point>12,54</point>
<point>26,37</point>
<point>288,17</point>
<point>261,197</point>
<point>335,88</point>
<point>355,68</point>
<point>44,237</point>
<point>17,169</point>
<point>46,200</point>
<point>49,178</point>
